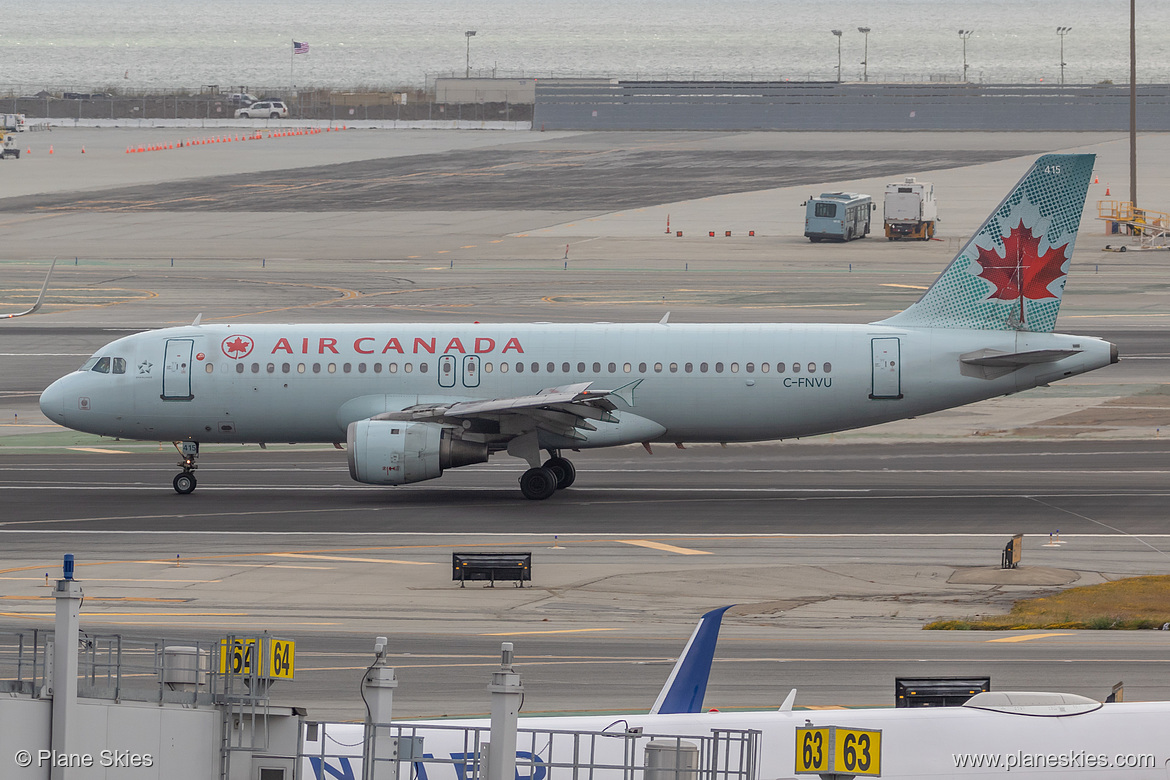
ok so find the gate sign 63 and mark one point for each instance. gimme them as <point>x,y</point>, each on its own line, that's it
<point>837,750</point>
<point>276,659</point>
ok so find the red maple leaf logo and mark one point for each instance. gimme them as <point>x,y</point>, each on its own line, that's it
<point>237,348</point>
<point>1022,272</point>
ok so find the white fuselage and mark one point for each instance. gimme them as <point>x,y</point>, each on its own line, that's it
<point>714,383</point>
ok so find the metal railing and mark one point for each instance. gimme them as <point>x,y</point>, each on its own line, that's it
<point>439,752</point>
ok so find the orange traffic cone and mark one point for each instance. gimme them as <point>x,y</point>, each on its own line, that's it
<point>1107,190</point>
<point>83,150</point>
<point>50,149</point>
<point>1096,180</point>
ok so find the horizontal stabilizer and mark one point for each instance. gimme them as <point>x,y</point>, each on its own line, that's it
<point>993,357</point>
<point>687,684</point>
<point>994,363</point>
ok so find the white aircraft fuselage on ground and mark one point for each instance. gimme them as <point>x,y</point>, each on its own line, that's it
<point>413,399</point>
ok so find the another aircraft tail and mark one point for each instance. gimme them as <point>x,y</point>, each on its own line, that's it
<point>1011,274</point>
<point>687,684</point>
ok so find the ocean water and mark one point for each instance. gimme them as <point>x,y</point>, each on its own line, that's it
<point>137,45</point>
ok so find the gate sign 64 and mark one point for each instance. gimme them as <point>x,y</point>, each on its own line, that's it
<point>277,658</point>
<point>837,750</point>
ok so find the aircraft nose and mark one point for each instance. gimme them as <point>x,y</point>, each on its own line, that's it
<point>53,401</point>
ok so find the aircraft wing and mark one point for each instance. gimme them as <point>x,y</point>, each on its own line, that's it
<point>561,410</point>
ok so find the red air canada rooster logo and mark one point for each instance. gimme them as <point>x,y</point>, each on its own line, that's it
<point>237,347</point>
<point>1022,272</point>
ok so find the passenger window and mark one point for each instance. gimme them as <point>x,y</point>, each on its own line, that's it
<point>703,368</point>
<point>316,368</point>
<point>827,367</point>
<point>779,368</point>
<point>487,368</point>
<point>597,368</point>
<point>423,367</point>
<point>764,367</point>
<point>119,365</point>
<point>613,368</point>
<point>674,368</point>
<point>503,368</point>
<point>300,368</point>
<point>332,368</point>
<point>102,366</point>
<point>255,368</point>
<point>407,367</point>
<point>346,367</point>
<point>641,368</point>
<point>657,368</point>
<point>718,368</point>
<point>239,368</point>
<point>392,368</point>
<point>580,368</point>
<point>826,210</point>
<point>812,368</point>
<point>285,368</point>
<point>210,368</point>
<point>272,368</point>
<point>688,367</point>
<point>735,368</point>
<point>565,367</point>
<point>361,368</point>
<point>796,368</point>
<point>750,368</point>
<point>536,368</point>
<point>377,368</point>
<point>551,368</point>
<point>519,368</point>
<point>627,368</point>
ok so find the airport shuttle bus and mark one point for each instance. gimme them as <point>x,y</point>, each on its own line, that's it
<point>837,216</point>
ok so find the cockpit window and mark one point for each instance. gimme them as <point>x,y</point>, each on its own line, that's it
<point>87,365</point>
<point>102,366</point>
<point>119,365</point>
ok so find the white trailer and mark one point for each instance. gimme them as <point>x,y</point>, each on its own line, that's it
<point>910,210</point>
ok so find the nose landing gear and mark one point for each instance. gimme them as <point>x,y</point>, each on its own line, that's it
<point>185,482</point>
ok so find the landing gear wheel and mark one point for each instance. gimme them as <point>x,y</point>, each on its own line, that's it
<point>538,484</point>
<point>564,470</point>
<point>184,483</point>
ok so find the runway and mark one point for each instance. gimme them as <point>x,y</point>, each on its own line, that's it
<point>837,550</point>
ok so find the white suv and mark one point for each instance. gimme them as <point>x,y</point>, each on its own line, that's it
<point>270,109</point>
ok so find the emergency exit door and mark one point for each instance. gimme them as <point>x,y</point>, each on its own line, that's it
<point>177,370</point>
<point>887,368</point>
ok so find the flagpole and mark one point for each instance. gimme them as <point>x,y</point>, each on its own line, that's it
<point>291,57</point>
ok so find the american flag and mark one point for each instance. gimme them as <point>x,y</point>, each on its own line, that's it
<point>300,48</point>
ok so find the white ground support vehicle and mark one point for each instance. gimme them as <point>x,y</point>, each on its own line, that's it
<point>910,210</point>
<point>265,109</point>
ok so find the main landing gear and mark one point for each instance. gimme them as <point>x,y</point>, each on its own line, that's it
<point>541,482</point>
<point>185,482</point>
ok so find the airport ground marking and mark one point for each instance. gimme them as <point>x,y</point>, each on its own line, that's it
<point>553,631</point>
<point>99,450</point>
<point>663,546</point>
<point>350,560</point>
<point>1025,637</point>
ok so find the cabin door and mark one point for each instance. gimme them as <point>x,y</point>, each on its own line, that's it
<point>887,368</point>
<point>176,371</point>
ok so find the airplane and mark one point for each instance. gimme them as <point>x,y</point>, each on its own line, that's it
<point>408,401</point>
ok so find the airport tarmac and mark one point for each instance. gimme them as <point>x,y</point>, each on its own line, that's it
<point>839,549</point>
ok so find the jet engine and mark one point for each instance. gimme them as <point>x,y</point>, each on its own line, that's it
<point>387,452</point>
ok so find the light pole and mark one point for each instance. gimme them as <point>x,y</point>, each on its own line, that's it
<point>965,34</point>
<point>865,60</point>
<point>469,34</point>
<point>838,34</point>
<point>1062,31</point>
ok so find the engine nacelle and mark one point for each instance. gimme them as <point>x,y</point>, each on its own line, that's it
<point>386,452</point>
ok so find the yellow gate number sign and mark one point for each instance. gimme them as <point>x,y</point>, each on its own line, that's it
<point>832,750</point>
<point>276,660</point>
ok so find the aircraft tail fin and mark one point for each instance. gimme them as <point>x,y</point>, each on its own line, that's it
<point>687,684</point>
<point>1010,275</point>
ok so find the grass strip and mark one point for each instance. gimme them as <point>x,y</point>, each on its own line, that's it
<point>1128,604</point>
